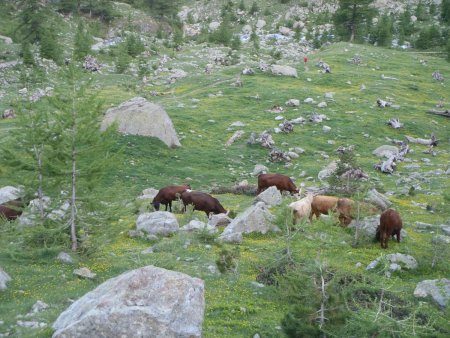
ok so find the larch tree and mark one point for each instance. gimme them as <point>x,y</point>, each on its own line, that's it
<point>351,15</point>
<point>81,152</point>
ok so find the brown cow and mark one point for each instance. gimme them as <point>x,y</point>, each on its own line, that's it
<point>202,202</point>
<point>390,225</point>
<point>322,205</point>
<point>12,209</point>
<point>282,182</point>
<point>168,194</point>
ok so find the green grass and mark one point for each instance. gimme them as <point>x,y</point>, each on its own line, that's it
<point>234,306</point>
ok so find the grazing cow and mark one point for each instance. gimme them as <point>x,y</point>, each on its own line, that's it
<point>390,225</point>
<point>301,208</point>
<point>344,208</point>
<point>12,209</point>
<point>322,205</point>
<point>202,202</point>
<point>168,194</point>
<point>282,182</point>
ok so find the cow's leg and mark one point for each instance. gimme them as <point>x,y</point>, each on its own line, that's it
<point>398,236</point>
<point>170,206</point>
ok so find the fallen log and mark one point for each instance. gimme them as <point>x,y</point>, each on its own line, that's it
<point>433,141</point>
<point>445,113</point>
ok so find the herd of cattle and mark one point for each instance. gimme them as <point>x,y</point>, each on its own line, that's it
<point>307,207</point>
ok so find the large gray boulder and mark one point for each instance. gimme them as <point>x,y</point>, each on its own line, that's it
<point>283,70</point>
<point>271,196</point>
<point>438,289</point>
<point>9,193</point>
<point>256,218</point>
<point>146,302</point>
<point>140,117</point>
<point>4,278</point>
<point>157,223</point>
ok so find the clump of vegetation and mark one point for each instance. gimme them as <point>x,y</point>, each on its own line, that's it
<point>228,260</point>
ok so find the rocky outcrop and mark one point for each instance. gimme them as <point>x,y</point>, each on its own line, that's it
<point>146,302</point>
<point>157,223</point>
<point>256,218</point>
<point>140,117</point>
<point>437,289</point>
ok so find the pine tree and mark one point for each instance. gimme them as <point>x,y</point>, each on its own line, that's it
<point>49,46</point>
<point>445,11</point>
<point>32,17</point>
<point>350,15</point>
<point>254,9</point>
<point>163,7</point>
<point>83,41</point>
<point>27,54</point>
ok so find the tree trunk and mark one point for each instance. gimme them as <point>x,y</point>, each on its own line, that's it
<point>38,154</point>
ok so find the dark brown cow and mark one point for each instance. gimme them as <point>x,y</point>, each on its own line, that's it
<point>12,209</point>
<point>202,202</point>
<point>168,194</point>
<point>282,182</point>
<point>390,225</point>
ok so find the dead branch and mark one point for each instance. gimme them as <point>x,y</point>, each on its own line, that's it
<point>237,135</point>
<point>433,141</point>
<point>388,166</point>
<point>445,113</point>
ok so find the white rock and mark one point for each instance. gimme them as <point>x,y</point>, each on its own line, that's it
<point>322,104</point>
<point>438,289</point>
<point>271,196</point>
<point>4,279</point>
<point>326,129</point>
<point>64,257</point>
<point>157,223</point>
<point>84,273</point>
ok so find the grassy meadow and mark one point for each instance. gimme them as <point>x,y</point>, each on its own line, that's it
<point>202,108</point>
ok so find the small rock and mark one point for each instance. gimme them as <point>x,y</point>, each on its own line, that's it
<point>135,234</point>
<point>64,257</point>
<point>322,104</point>
<point>326,129</point>
<point>438,289</point>
<point>308,100</point>
<point>258,285</point>
<point>293,103</point>
<point>39,306</point>
<point>4,278</point>
<point>84,273</point>
<point>31,324</point>
<point>147,251</point>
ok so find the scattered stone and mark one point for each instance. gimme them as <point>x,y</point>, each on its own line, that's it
<point>327,171</point>
<point>147,251</point>
<point>437,76</point>
<point>322,104</point>
<point>438,289</point>
<point>4,279</point>
<point>440,239</point>
<point>161,223</point>
<point>299,120</point>
<point>65,258</point>
<point>9,193</point>
<point>271,196</point>
<point>279,117</point>
<point>421,225</point>
<point>266,140</point>
<point>248,71</point>
<point>286,127</point>
<point>84,273</point>
<point>407,261</point>
<point>148,301</point>
<point>90,63</point>
<point>148,194</point>
<point>326,129</point>
<point>9,114</point>
<point>31,324</point>
<point>260,169</point>
<point>293,103</point>
<point>198,225</point>
<point>231,238</point>
<point>317,118</point>
<point>383,104</point>
<point>38,307</point>
<point>277,155</point>
<point>308,100</point>
<point>329,95</point>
